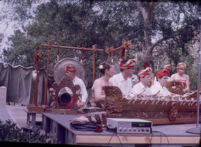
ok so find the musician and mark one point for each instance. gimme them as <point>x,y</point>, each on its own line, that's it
<point>51,103</point>
<point>70,72</point>
<point>150,64</point>
<point>145,87</point>
<point>162,77</point>
<point>98,96</point>
<point>123,79</point>
<point>181,77</point>
<point>107,69</point>
<point>52,97</point>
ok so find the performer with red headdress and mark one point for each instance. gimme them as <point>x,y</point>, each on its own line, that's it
<point>181,77</point>
<point>123,79</point>
<point>162,77</point>
<point>70,72</point>
<point>145,87</point>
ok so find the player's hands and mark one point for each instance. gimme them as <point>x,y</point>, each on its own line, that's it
<point>80,104</point>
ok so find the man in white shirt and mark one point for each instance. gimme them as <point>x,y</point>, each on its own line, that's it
<point>123,79</point>
<point>144,87</point>
<point>162,77</point>
<point>70,72</point>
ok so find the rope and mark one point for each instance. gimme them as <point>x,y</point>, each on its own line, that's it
<point>58,53</point>
<point>81,56</point>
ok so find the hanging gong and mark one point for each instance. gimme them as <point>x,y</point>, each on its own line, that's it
<point>59,69</point>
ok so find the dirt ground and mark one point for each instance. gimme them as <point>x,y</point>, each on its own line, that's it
<point>17,114</point>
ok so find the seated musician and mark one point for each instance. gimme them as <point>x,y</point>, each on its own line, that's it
<point>108,70</point>
<point>70,72</point>
<point>181,77</point>
<point>162,77</point>
<point>98,95</point>
<point>51,103</point>
<point>123,79</point>
<point>52,98</point>
<point>144,87</point>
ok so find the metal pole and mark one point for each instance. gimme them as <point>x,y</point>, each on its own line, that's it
<point>198,87</point>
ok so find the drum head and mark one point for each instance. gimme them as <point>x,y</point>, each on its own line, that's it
<point>59,69</point>
<point>65,98</point>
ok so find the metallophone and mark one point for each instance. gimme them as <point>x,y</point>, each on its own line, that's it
<point>159,110</point>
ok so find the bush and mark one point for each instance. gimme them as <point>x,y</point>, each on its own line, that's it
<point>11,133</point>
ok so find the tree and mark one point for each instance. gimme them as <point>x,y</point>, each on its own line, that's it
<point>158,30</point>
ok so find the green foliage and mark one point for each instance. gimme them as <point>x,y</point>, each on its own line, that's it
<point>11,133</point>
<point>105,23</point>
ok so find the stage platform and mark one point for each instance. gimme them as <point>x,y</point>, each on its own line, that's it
<point>58,126</point>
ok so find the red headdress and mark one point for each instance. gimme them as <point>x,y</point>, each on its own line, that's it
<point>129,64</point>
<point>162,73</point>
<point>70,68</point>
<point>144,72</point>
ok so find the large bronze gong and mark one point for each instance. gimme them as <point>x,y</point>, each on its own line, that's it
<point>59,69</point>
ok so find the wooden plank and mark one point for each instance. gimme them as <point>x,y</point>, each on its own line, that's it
<point>178,121</point>
<point>71,47</point>
<point>47,72</point>
<point>91,139</point>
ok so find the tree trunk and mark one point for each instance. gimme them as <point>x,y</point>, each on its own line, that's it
<point>146,10</point>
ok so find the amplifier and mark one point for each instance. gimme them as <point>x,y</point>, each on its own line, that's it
<point>130,126</point>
